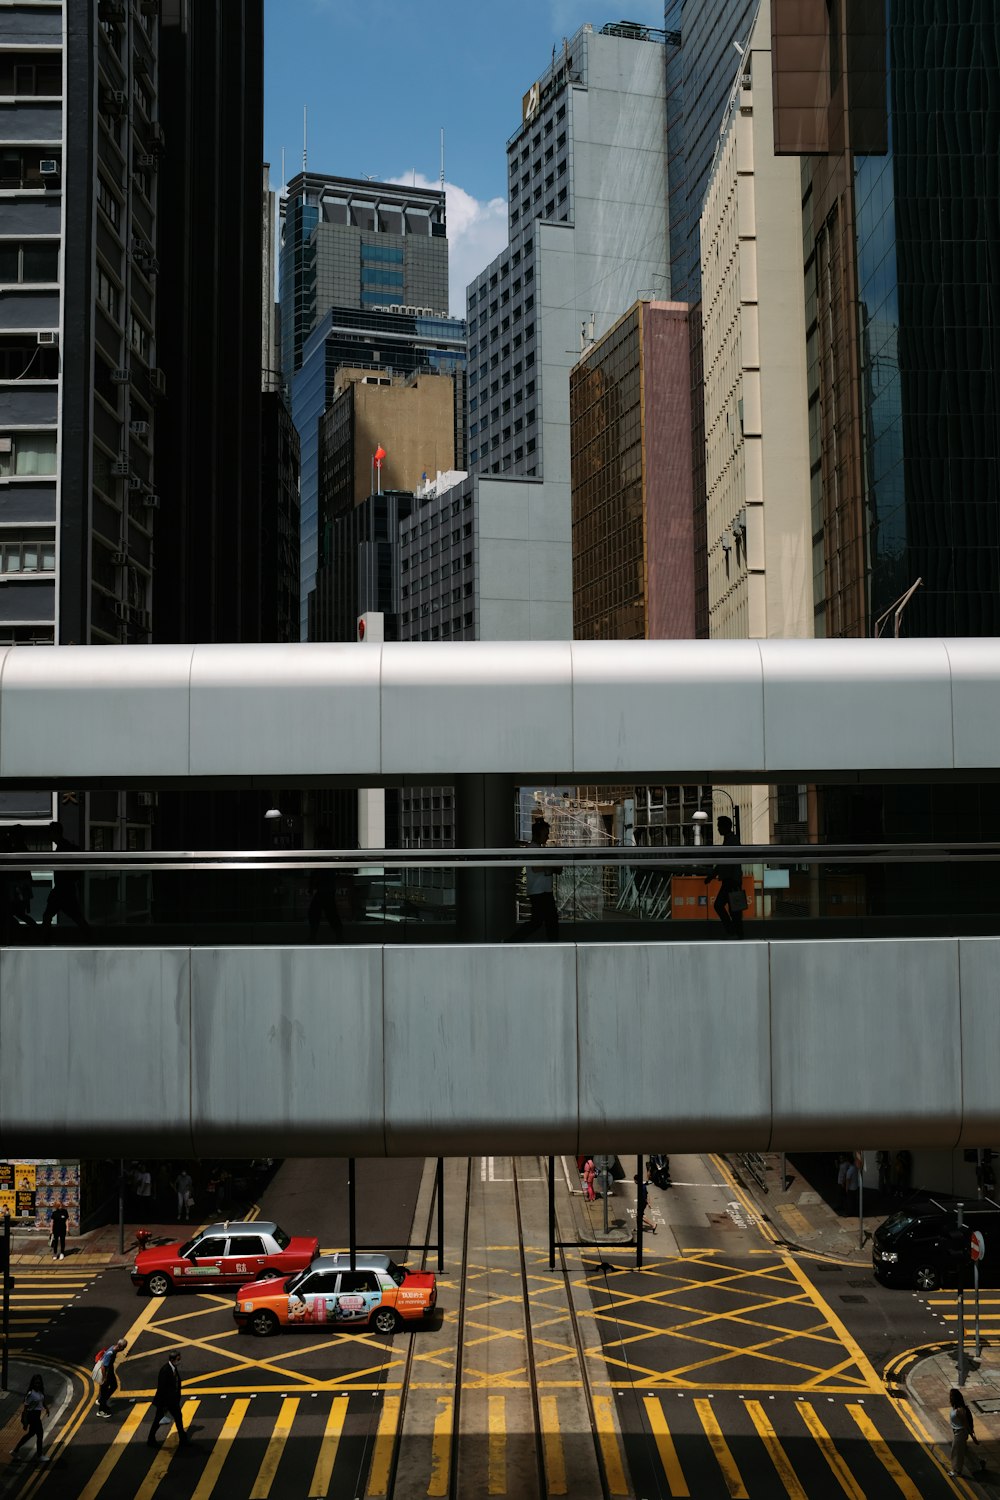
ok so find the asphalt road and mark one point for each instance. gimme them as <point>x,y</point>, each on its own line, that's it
<point>734,1369</point>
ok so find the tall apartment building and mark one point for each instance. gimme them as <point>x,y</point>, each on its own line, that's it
<point>630,408</point>
<point>587,233</point>
<point>130,152</point>
<point>901,209</point>
<point>364,281</point>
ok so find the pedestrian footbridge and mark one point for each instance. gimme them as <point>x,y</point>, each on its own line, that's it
<point>177,1043</point>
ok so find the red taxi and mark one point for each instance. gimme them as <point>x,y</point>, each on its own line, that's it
<point>376,1292</point>
<point>226,1254</point>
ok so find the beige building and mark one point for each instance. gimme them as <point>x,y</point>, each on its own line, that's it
<point>756,419</point>
<point>759,525</point>
<point>411,417</point>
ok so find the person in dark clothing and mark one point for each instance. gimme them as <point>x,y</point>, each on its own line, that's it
<point>65,893</point>
<point>35,1405</point>
<point>60,1218</point>
<point>323,895</point>
<point>167,1401</point>
<point>642,1204</point>
<point>541,898</point>
<point>730,878</point>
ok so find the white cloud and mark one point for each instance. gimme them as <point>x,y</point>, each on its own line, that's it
<point>477,231</point>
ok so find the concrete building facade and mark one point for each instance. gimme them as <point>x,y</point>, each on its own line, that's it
<point>587,234</point>
<point>756,416</point>
<point>633,548</point>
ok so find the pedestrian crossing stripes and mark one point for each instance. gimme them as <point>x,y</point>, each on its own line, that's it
<point>39,1296</point>
<point>763,1448</point>
<point>318,1445</point>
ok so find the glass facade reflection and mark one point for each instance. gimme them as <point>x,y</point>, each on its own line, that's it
<point>927,223</point>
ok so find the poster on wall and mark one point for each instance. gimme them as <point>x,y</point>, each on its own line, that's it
<point>29,1190</point>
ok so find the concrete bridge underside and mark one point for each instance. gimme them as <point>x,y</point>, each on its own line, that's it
<point>406,1051</point>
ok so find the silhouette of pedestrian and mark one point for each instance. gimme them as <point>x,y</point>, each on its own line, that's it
<point>35,1405</point>
<point>65,893</point>
<point>167,1400</point>
<point>540,895</point>
<point>323,897</point>
<point>730,903</point>
<point>962,1429</point>
<point>60,1218</point>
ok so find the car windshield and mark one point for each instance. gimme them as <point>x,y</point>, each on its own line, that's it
<point>281,1239</point>
<point>293,1281</point>
<point>188,1246</point>
<point>396,1272</point>
<point>896,1223</point>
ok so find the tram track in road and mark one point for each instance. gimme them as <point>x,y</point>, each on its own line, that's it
<point>496,1401</point>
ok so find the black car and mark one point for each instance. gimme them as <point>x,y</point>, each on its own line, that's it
<point>921,1246</point>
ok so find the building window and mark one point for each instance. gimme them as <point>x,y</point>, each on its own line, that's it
<point>29,260</point>
<point>27,552</point>
<point>31,73</point>
<point>108,294</point>
<point>27,453</point>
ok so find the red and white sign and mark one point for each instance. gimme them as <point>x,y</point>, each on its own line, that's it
<point>977,1246</point>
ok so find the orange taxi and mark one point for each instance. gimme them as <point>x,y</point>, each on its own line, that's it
<point>377,1292</point>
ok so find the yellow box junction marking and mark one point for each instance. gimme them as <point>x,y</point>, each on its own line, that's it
<point>220,1450</point>
<point>119,1443</point>
<point>883,1452</point>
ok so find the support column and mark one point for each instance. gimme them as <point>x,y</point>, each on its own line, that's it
<point>484,819</point>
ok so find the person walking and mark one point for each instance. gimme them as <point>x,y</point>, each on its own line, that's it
<point>65,893</point>
<point>540,893</point>
<point>730,903</point>
<point>167,1401</point>
<point>962,1429</point>
<point>35,1405</point>
<point>589,1173</point>
<point>107,1379</point>
<point>642,1205</point>
<point>183,1185</point>
<point>60,1219</point>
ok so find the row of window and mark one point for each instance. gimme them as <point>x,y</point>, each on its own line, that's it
<point>557,171</point>
<point>37,74</point>
<point>504,298</point>
<point>392,254</point>
<point>22,167</point>
<point>24,357</point>
<point>424,803</point>
<point>548,212</point>
<point>20,555</point>
<point>380,276</point>
<point>501,328</point>
<point>502,273</point>
<point>505,354</point>
<point>434,632</point>
<point>519,453</point>
<point>426,580</point>
<point>549,124</point>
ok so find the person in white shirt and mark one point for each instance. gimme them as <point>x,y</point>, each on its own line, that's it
<point>540,894</point>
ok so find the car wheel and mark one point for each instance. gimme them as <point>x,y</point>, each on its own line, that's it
<point>263,1323</point>
<point>158,1285</point>
<point>927,1278</point>
<point>386,1320</point>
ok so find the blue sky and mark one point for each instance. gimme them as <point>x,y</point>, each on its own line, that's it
<point>381,79</point>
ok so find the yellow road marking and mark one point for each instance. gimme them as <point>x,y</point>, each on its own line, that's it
<point>850,1343</point>
<point>776,1452</point>
<point>385,1442</point>
<point>883,1452</point>
<point>116,1448</point>
<point>611,1453</point>
<point>723,1457</point>
<point>161,1462</point>
<point>279,1437</point>
<point>441,1447</point>
<point>828,1449</point>
<point>323,1472</point>
<point>794,1218</point>
<point>496,1467</point>
<point>552,1443</point>
<point>220,1450</point>
<point>665,1447</point>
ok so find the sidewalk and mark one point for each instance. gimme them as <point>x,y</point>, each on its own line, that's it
<point>807,1220</point>
<point>99,1247</point>
<point>59,1390</point>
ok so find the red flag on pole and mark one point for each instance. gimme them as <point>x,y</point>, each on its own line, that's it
<point>379,455</point>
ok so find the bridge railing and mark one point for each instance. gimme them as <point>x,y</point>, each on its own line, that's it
<point>366,896</point>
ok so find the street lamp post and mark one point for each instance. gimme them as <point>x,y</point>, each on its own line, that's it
<point>736,811</point>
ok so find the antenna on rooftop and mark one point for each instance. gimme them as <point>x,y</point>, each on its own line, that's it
<point>304,135</point>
